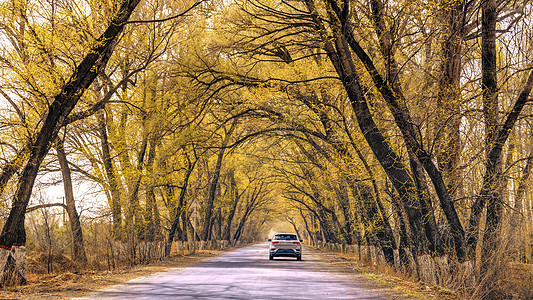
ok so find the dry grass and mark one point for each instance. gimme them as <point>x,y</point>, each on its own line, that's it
<point>406,285</point>
<point>515,281</point>
<point>518,282</point>
<point>65,284</point>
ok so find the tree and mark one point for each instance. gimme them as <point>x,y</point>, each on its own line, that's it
<point>78,246</point>
<point>13,233</point>
<point>287,37</point>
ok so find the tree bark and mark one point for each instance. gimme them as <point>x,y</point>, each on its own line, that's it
<point>213,184</point>
<point>78,247</point>
<point>180,212</point>
<point>448,120</point>
<point>150,215</point>
<point>489,87</point>
<point>116,207</point>
<point>236,196</point>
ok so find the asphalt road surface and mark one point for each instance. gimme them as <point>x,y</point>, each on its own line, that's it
<point>245,273</point>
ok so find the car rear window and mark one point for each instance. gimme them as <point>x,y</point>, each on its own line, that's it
<point>286,237</point>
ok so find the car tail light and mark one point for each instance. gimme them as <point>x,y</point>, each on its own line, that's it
<point>274,242</point>
<point>296,243</point>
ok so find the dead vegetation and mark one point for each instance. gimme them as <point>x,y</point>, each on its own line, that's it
<point>70,280</point>
<point>515,281</point>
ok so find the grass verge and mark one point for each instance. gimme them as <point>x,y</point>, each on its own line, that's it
<point>67,285</point>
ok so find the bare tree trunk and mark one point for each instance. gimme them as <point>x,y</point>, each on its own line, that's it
<point>344,202</point>
<point>372,217</point>
<point>387,240</point>
<point>293,223</point>
<point>213,184</point>
<point>78,248</point>
<point>134,219</point>
<point>312,240</point>
<point>491,114</point>
<point>447,123</point>
<point>427,216</point>
<point>180,212</point>
<point>116,208</point>
<point>238,231</point>
<point>490,180</point>
<point>251,205</point>
<point>149,230</point>
<point>218,224</point>
<point>236,196</point>
<point>496,136</point>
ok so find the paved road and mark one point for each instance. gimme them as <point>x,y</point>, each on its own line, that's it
<point>245,273</point>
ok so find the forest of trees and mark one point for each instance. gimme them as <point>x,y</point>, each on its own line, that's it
<point>405,125</point>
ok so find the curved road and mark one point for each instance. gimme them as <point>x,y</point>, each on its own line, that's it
<point>245,273</point>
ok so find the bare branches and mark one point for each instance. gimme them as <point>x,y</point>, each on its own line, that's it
<point>180,15</point>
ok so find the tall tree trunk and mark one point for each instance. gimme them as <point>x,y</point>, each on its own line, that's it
<point>391,163</point>
<point>236,196</point>
<point>404,237</point>
<point>150,205</point>
<point>213,184</point>
<point>339,54</point>
<point>133,178</point>
<point>180,212</point>
<point>218,224</point>
<point>490,180</point>
<point>13,232</point>
<point>344,202</point>
<point>238,231</point>
<point>293,223</point>
<point>490,112</point>
<point>387,240</point>
<point>308,229</point>
<point>251,205</point>
<point>425,208</point>
<point>448,120</point>
<point>78,248</point>
<point>116,207</point>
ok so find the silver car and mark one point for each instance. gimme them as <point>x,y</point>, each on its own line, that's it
<point>285,244</point>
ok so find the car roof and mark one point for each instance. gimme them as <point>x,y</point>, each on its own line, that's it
<point>288,233</point>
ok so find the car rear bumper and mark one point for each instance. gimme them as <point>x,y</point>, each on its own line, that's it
<point>285,252</point>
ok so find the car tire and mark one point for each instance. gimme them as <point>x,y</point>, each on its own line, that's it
<point>299,257</point>
<point>270,257</point>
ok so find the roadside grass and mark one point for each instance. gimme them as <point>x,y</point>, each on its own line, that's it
<point>66,284</point>
<point>517,282</point>
<point>388,277</point>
